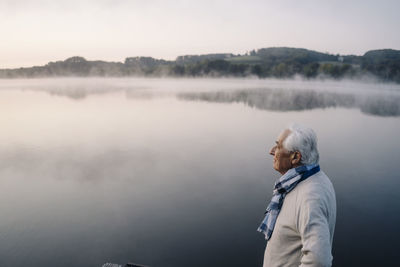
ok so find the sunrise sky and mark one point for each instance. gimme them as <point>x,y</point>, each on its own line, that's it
<point>36,32</point>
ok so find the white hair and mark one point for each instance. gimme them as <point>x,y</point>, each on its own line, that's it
<point>304,140</point>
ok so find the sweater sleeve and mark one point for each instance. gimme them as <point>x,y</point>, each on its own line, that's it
<point>314,230</point>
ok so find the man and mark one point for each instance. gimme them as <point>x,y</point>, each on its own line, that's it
<point>300,219</point>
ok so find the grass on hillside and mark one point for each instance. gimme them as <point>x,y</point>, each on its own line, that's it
<point>244,59</point>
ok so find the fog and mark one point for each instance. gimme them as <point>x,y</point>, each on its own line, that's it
<point>381,99</point>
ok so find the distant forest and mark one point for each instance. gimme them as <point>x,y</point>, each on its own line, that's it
<point>274,62</point>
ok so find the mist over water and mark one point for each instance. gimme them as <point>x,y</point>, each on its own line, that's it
<point>168,172</point>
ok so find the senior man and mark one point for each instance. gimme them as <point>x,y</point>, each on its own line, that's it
<point>300,219</point>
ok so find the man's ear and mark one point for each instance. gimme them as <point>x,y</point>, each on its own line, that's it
<point>296,158</point>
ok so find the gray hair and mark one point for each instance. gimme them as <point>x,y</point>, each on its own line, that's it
<point>304,140</point>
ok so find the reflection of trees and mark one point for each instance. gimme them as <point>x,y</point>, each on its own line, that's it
<point>75,93</point>
<point>79,92</point>
<point>381,106</point>
<point>270,99</point>
<point>384,104</point>
<point>291,100</point>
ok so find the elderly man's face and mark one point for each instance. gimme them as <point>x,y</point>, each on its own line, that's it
<point>282,157</point>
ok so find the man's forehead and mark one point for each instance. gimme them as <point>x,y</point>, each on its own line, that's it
<point>283,135</point>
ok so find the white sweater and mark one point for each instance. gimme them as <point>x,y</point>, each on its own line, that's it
<point>304,229</point>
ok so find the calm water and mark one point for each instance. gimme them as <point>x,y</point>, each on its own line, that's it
<point>172,173</point>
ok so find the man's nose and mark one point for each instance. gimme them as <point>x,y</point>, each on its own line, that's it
<point>272,151</point>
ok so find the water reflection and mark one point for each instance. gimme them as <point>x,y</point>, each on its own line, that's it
<point>373,99</point>
<point>381,106</point>
<point>297,100</point>
<point>264,99</point>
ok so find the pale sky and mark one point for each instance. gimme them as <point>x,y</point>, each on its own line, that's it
<point>36,32</point>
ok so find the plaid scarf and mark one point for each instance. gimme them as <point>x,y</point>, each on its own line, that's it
<point>282,187</point>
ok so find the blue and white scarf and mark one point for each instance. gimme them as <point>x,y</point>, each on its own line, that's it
<point>282,187</point>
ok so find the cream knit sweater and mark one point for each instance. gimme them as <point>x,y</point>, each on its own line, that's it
<point>304,229</point>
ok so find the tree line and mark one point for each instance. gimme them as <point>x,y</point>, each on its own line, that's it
<point>275,62</point>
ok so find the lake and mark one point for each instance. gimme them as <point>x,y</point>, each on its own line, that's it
<point>176,173</point>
